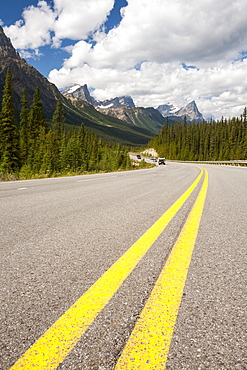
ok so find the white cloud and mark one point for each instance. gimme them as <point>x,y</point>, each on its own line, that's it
<point>143,55</point>
<point>34,30</point>
<point>219,90</point>
<point>42,25</point>
<point>83,17</point>
<point>164,31</point>
<point>35,54</point>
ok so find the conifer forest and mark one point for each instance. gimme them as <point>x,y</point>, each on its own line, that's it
<point>206,141</point>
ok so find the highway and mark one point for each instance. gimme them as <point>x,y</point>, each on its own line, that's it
<point>84,258</point>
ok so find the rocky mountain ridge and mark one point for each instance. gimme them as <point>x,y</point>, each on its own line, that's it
<point>24,76</point>
<point>82,92</point>
<point>190,111</point>
<point>167,109</point>
<point>124,108</point>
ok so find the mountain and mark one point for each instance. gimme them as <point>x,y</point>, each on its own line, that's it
<point>138,116</point>
<point>116,102</point>
<point>81,92</point>
<point>166,109</point>
<point>190,111</point>
<point>122,108</point>
<point>24,76</point>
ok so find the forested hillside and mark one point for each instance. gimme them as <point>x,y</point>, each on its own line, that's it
<point>209,141</point>
<point>29,147</point>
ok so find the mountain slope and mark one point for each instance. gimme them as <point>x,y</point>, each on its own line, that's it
<point>122,108</point>
<point>24,76</point>
<point>112,128</point>
<point>82,93</point>
<point>141,117</point>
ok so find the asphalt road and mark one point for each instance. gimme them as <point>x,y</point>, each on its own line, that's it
<point>58,237</point>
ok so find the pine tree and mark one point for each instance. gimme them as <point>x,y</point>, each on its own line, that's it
<point>82,142</point>
<point>36,117</point>
<point>37,126</point>
<point>9,133</point>
<point>58,119</point>
<point>24,127</point>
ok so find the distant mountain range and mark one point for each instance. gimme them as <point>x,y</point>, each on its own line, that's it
<point>114,119</point>
<point>120,107</point>
<point>81,92</point>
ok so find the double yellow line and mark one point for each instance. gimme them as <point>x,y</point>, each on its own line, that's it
<point>150,340</point>
<point>58,341</point>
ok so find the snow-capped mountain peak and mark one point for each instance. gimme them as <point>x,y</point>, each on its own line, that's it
<point>190,111</point>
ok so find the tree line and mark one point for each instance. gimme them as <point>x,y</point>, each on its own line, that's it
<point>29,147</point>
<point>225,139</point>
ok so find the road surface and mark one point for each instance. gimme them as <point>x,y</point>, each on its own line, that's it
<point>60,236</point>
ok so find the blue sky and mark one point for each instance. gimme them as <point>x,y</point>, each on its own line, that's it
<point>12,12</point>
<point>157,51</point>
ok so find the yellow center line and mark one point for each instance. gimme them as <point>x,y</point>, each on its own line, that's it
<point>57,342</point>
<point>149,343</point>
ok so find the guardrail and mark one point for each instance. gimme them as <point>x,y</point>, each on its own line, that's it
<point>230,163</point>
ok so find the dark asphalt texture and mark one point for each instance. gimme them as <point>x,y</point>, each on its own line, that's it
<point>58,236</point>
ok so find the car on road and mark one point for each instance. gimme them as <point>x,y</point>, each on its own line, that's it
<point>161,161</point>
<point>138,156</point>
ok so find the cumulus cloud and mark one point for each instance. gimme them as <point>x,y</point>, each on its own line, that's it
<point>219,90</point>
<point>163,31</point>
<point>147,54</point>
<point>84,17</point>
<point>34,30</point>
<point>42,24</point>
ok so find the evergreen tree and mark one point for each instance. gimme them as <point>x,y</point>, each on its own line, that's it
<point>9,133</point>
<point>36,117</point>
<point>83,143</point>
<point>24,127</point>
<point>58,119</point>
<point>37,126</point>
